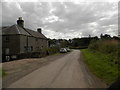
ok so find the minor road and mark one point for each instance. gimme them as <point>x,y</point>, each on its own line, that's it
<point>66,72</point>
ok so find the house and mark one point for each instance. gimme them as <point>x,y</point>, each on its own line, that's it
<point>18,41</point>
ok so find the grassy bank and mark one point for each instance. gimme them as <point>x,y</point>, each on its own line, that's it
<point>2,73</point>
<point>99,63</point>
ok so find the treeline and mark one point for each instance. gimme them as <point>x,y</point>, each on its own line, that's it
<point>79,43</point>
<point>104,44</point>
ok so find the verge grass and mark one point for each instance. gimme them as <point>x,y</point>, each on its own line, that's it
<point>2,73</point>
<point>99,63</point>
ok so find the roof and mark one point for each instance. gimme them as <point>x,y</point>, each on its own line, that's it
<point>35,34</point>
<point>16,29</point>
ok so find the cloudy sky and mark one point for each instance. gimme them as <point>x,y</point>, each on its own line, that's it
<point>64,19</point>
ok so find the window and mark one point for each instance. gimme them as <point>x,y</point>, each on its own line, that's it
<point>6,39</point>
<point>31,48</point>
<point>41,47</point>
<point>25,48</point>
<point>7,51</point>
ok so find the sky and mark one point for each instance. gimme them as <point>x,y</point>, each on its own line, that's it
<point>66,19</point>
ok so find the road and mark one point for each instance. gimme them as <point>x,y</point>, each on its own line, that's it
<point>66,72</point>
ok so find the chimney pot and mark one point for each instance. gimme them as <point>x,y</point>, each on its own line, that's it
<point>20,22</point>
<point>39,30</point>
<point>20,18</point>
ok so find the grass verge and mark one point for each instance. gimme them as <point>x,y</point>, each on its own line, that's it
<point>100,65</point>
<point>2,73</point>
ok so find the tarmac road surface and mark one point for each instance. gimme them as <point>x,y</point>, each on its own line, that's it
<point>66,72</point>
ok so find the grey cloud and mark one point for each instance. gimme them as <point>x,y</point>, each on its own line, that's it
<point>10,11</point>
<point>73,20</point>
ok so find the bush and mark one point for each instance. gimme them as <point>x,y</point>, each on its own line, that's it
<point>108,47</point>
<point>105,46</point>
<point>49,51</point>
<point>94,45</point>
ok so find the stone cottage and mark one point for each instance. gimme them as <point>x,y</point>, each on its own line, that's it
<point>18,41</point>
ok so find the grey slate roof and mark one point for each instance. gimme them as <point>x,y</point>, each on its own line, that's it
<point>16,29</point>
<point>35,34</point>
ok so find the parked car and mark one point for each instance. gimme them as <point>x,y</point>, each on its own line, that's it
<point>63,50</point>
<point>68,49</point>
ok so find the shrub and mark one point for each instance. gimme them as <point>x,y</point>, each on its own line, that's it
<point>105,46</point>
<point>49,51</point>
<point>109,47</point>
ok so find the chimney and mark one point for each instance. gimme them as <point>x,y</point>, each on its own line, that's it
<point>39,30</point>
<point>20,22</point>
